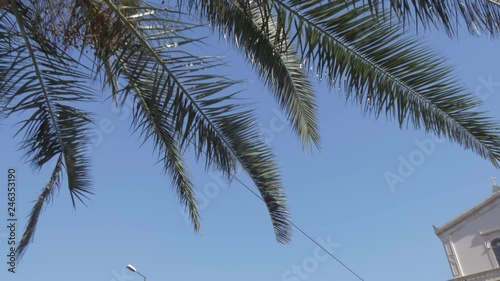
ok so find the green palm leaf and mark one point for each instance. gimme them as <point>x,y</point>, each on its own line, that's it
<point>478,16</point>
<point>264,47</point>
<point>180,104</point>
<point>385,71</point>
<point>44,198</point>
<point>36,78</point>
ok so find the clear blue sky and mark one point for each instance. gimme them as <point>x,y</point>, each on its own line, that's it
<point>338,194</point>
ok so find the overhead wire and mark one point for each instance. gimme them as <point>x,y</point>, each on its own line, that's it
<point>306,235</point>
<point>235,177</point>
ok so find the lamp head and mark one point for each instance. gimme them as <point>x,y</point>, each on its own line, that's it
<point>131,268</point>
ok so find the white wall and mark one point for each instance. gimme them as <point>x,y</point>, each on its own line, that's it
<point>472,249</point>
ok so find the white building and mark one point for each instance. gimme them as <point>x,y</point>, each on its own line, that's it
<point>472,241</point>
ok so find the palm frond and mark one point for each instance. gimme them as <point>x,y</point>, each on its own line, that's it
<point>478,16</point>
<point>45,197</point>
<point>257,160</point>
<point>38,76</point>
<point>387,72</point>
<point>179,104</point>
<point>260,40</point>
<point>41,81</point>
<point>151,116</point>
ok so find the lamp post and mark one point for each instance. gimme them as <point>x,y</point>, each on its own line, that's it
<point>132,268</point>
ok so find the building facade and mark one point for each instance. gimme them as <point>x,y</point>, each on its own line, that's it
<point>472,241</point>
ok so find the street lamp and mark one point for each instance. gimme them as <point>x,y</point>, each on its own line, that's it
<point>132,268</point>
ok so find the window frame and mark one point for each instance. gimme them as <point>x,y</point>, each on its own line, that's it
<point>495,248</point>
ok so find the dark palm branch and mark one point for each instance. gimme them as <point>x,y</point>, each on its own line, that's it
<point>44,197</point>
<point>179,103</point>
<point>478,16</point>
<point>264,47</point>
<point>382,69</point>
<point>40,81</point>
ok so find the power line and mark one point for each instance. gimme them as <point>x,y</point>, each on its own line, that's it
<point>305,234</point>
<point>294,225</point>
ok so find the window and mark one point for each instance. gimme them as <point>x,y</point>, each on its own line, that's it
<point>495,245</point>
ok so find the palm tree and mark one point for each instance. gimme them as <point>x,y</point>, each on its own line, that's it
<point>51,49</point>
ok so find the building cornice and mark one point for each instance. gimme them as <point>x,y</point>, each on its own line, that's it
<point>492,198</point>
<point>490,275</point>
